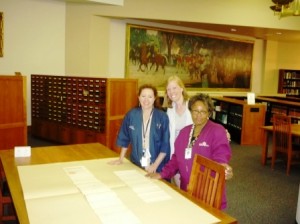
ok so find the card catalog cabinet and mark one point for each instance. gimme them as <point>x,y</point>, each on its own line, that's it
<point>13,115</point>
<point>73,110</point>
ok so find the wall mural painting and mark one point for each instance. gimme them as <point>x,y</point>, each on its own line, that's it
<point>201,61</point>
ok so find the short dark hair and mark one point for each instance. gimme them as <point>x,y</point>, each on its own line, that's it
<point>153,88</point>
<point>205,98</point>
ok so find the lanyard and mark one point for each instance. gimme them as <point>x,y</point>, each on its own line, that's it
<point>145,131</point>
<point>192,140</point>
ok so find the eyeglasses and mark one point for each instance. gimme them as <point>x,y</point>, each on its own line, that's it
<point>201,112</point>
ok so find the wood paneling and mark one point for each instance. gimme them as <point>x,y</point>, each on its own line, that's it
<point>13,124</point>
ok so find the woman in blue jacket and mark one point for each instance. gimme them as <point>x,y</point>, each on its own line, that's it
<point>146,128</point>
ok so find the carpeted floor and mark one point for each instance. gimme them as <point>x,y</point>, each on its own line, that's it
<point>257,194</point>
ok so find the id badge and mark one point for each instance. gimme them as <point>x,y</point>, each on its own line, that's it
<point>144,161</point>
<point>188,153</point>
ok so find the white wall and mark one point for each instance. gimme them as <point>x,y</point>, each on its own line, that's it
<point>234,12</point>
<point>54,37</point>
<point>111,59</point>
<point>34,39</point>
<point>279,55</point>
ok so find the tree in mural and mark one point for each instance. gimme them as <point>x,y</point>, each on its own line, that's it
<point>202,61</point>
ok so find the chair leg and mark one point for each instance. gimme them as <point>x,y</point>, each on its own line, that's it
<point>7,209</point>
<point>289,162</point>
<point>1,211</point>
<point>273,158</point>
<point>8,213</point>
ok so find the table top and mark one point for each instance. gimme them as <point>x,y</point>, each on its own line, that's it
<point>67,153</point>
<point>295,129</point>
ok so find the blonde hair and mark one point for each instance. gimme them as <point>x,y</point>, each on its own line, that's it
<point>167,101</point>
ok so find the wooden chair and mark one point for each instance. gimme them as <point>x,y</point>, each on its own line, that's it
<point>7,210</point>
<point>207,181</point>
<point>282,140</point>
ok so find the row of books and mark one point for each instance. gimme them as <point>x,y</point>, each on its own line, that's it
<point>232,121</point>
<point>291,75</point>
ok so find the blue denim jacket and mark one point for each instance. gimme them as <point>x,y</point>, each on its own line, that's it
<point>131,133</point>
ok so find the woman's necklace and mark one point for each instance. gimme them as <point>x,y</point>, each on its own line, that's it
<point>193,137</point>
<point>145,130</point>
<point>188,151</point>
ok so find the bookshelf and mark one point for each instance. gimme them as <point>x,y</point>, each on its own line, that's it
<point>73,110</point>
<point>242,121</point>
<point>289,82</point>
<point>281,105</point>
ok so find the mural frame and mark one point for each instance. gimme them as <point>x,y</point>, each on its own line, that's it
<point>203,61</point>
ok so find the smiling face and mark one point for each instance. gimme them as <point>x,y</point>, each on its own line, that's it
<point>174,91</point>
<point>147,98</point>
<point>200,114</point>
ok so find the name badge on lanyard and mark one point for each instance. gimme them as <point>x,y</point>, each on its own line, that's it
<point>188,153</point>
<point>144,161</point>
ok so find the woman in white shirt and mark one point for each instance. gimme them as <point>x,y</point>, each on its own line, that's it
<point>176,102</point>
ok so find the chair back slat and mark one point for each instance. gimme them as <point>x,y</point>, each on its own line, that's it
<point>7,210</point>
<point>207,181</point>
<point>282,139</point>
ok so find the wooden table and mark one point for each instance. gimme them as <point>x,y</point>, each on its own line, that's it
<point>265,139</point>
<point>67,153</point>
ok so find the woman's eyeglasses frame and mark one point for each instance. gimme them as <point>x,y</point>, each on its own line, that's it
<point>197,112</point>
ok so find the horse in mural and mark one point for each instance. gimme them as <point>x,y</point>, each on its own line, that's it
<point>134,55</point>
<point>156,58</point>
<point>143,57</point>
<point>148,55</point>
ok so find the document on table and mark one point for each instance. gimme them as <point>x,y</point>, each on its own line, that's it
<point>104,202</point>
<point>143,187</point>
<point>95,192</point>
<point>39,181</point>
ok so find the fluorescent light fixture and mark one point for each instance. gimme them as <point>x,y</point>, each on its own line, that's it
<point>109,2</point>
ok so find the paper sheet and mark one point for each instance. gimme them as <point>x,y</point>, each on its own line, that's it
<point>97,192</point>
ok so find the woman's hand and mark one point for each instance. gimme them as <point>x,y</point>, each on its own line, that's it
<point>153,175</point>
<point>115,162</point>
<point>228,171</point>
<point>151,169</point>
<point>119,161</point>
<point>228,135</point>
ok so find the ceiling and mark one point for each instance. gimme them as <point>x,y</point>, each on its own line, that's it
<point>255,32</point>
